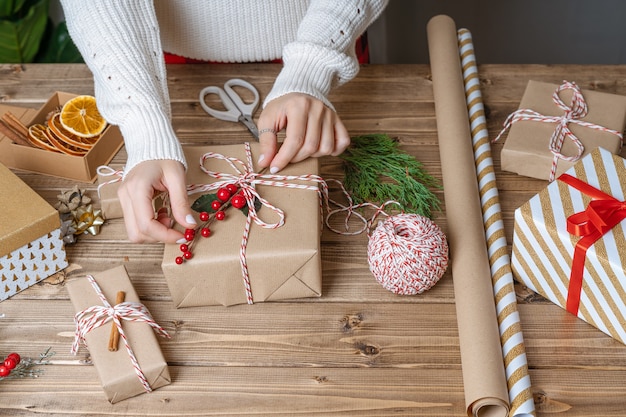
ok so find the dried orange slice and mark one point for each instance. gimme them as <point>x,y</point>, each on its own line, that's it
<point>81,117</point>
<point>56,129</point>
<point>38,136</point>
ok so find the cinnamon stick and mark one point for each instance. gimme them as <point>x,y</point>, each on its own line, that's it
<point>14,136</point>
<point>14,123</point>
<point>114,338</point>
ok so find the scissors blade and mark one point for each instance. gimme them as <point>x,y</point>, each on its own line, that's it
<point>249,123</point>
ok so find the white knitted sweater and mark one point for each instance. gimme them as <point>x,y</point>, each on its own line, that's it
<point>122,42</point>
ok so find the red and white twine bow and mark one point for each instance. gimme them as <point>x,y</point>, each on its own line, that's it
<point>244,177</point>
<point>96,316</point>
<point>572,114</point>
<point>107,171</point>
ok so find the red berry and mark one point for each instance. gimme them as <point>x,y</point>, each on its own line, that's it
<point>232,188</point>
<point>238,201</point>
<point>15,356</point>
<point>223,194</point>
<point>179,260</point>
<point>187,255</point>
<point>10,363</point>
<point>4,371</point>
<point>216,204</point>
<point>184,247</point>
<point>204,216</point>
<point>220,215</point>
<point>205,232</point>
<point>190,234</point>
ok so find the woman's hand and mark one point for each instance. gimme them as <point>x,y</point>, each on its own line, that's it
<point>136,193</point>
<point>313,129</point>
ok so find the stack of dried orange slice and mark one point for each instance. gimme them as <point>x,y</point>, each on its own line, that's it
<point>73,130</point>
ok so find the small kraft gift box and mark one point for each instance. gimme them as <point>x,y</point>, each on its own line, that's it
<point>74,167</point>
<point>109,181</point>
<point>569,242</point>
<point>254,256</point>
<point>135,366</point>
<point>556,125</point>
<point>31,245</point>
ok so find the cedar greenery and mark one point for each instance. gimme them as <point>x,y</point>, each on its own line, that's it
<point>376,171</point>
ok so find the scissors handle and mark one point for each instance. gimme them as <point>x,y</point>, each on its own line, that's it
<point>247,109</point>
<point>235,106</point>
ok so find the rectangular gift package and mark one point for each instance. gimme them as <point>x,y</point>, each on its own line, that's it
<point>109,180</point>
<point>552,262</point>
<point>526,150</point>
<point>79,168</point>
<point>31,245</point>
<point>283,263</point>
<point>115,369</point>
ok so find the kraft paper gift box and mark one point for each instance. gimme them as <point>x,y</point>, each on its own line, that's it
<point>283,263</point>
<point>79,168</point>
<point>109,180</point>
<point>31,245</point>
<point>115,369</point>
<point>580,266</point>
<point>526,150</point>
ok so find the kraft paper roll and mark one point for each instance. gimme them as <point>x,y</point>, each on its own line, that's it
<point>511,337</point>
<point>482,363</point>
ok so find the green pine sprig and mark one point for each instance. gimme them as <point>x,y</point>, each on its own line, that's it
<point>376,171</point>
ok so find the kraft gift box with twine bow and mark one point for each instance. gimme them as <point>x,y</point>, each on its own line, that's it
<point>273,262</point>
<point>137,366</point>
<point>570,239</point>
<point>539,143</point>
<point>31,245</point>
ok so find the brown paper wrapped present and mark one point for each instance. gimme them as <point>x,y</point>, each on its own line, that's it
<point>109,180</point>
<point>282,263</point>
<point>527,148</point>
<point>118,375</point>
<point>31,245</point>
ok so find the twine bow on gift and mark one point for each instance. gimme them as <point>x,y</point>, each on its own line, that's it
<point>602,214</point>
<point>96,316</point>
<point>572,114</point>
<point>244,177</point>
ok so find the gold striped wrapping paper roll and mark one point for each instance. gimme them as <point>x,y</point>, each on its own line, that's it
<point>543,249</point>
<point>511,337</point>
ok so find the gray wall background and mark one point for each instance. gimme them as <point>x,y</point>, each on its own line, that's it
<point>507,31</point>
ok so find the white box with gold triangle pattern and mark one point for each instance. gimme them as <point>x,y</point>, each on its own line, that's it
<point>31,245</point>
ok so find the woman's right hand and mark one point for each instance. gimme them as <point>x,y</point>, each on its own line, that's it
<point>136,194</point>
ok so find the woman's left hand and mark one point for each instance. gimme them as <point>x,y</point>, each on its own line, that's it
<point>312,129</point>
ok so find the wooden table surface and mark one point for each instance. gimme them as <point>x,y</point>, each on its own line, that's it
<point>357,350</point>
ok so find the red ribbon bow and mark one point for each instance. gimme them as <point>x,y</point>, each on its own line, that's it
<point>602,214</point>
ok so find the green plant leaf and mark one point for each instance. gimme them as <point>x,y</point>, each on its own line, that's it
<point>8,8</point>
<point>203,203</point>
<point>257,206</point>
<point>20,39</point>
<point>58,46</point>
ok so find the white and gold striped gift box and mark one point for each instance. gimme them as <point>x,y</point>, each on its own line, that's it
<point>543,248</point>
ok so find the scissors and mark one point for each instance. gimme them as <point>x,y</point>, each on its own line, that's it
<point>236,109</point>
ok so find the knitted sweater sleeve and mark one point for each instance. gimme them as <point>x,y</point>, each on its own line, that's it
<point>323,55</point>
<point>120,43</point>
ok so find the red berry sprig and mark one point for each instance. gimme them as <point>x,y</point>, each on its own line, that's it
<point>14,367</point>
<point>225,197</point>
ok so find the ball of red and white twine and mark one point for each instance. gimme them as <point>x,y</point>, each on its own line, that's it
<point>407,253</point>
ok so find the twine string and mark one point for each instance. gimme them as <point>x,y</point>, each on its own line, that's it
<point>573,113</point>
<point>99,315</point>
